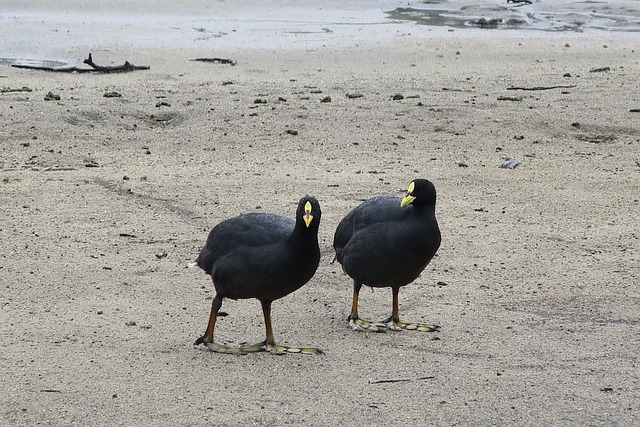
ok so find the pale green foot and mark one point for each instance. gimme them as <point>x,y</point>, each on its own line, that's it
<point>253,348</point>
<point>358,324</point>
<point>217,347</point>
<point>279,349</point>
<point>221,348</point>
<point>399,326</point>
<point>283,349</point>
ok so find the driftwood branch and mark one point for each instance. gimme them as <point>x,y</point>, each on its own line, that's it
<point>219,60</point>
<point>126,67</point>
<point>53,168</point>
<point>400,380</point>
<point>542,87</point>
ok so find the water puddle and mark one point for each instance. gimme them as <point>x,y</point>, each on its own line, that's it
<point>575,16</point>
<point>449,18</point>
<point>32,62</point>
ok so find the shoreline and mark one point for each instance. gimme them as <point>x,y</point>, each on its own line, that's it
<point>59,32</point>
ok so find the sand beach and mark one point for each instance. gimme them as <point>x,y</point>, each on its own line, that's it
<point>110,183</point>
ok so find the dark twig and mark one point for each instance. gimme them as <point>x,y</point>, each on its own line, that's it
<point>126,67</point>
<point>219,60</point>
<point>58,69</point>
<point>400,380</point>
<point>542,87</point>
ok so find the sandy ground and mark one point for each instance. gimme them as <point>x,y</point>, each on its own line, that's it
<point>535,285</point>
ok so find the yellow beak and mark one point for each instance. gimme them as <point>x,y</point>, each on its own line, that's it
<point>307,214</point>
<point>408,199</point>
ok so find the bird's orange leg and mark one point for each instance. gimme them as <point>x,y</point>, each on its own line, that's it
<point>269,343</point>
<point>207,338</point>
<point>356,323</point>
<point>216,303</point>
<point>395,324</point>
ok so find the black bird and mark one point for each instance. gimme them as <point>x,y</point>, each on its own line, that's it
<point>263,256</point>
<point>387,242</point>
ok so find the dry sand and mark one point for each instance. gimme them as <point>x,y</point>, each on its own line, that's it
<point>535,285</point>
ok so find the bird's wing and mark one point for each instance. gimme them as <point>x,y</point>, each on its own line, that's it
<point>251,230</point>
<point>376,210</point>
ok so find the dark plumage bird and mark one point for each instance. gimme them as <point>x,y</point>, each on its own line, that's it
<point>388,242</point>
<point>263,256</point>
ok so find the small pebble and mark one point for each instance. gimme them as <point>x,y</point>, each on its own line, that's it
<point>509,164</point>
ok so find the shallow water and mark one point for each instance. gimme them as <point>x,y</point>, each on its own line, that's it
<point>32,62</point>
<point>65,32</point>
<point>556,16</point>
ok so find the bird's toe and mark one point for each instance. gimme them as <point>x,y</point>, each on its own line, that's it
<point>358,324</point>
<point>399,326</point>
<point>283,349</point>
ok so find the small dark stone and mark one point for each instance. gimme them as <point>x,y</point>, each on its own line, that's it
<point>52,97</point>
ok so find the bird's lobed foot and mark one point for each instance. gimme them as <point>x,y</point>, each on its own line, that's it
<point>254,348</point>
<point>358,324</point>
<point>399,326</point>
<point>221,348</point>
<point>279,349</point>
<point>283,349</point>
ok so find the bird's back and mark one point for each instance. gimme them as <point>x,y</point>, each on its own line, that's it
<point>377,210</point>
<point>254,256</point>
<point>251,230</point>
<point>380,243</point>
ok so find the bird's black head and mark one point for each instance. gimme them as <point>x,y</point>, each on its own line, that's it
<point>309,212</point>
<point>421,192</point>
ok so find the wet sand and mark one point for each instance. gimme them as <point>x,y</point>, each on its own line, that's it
<point>104,201</point>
